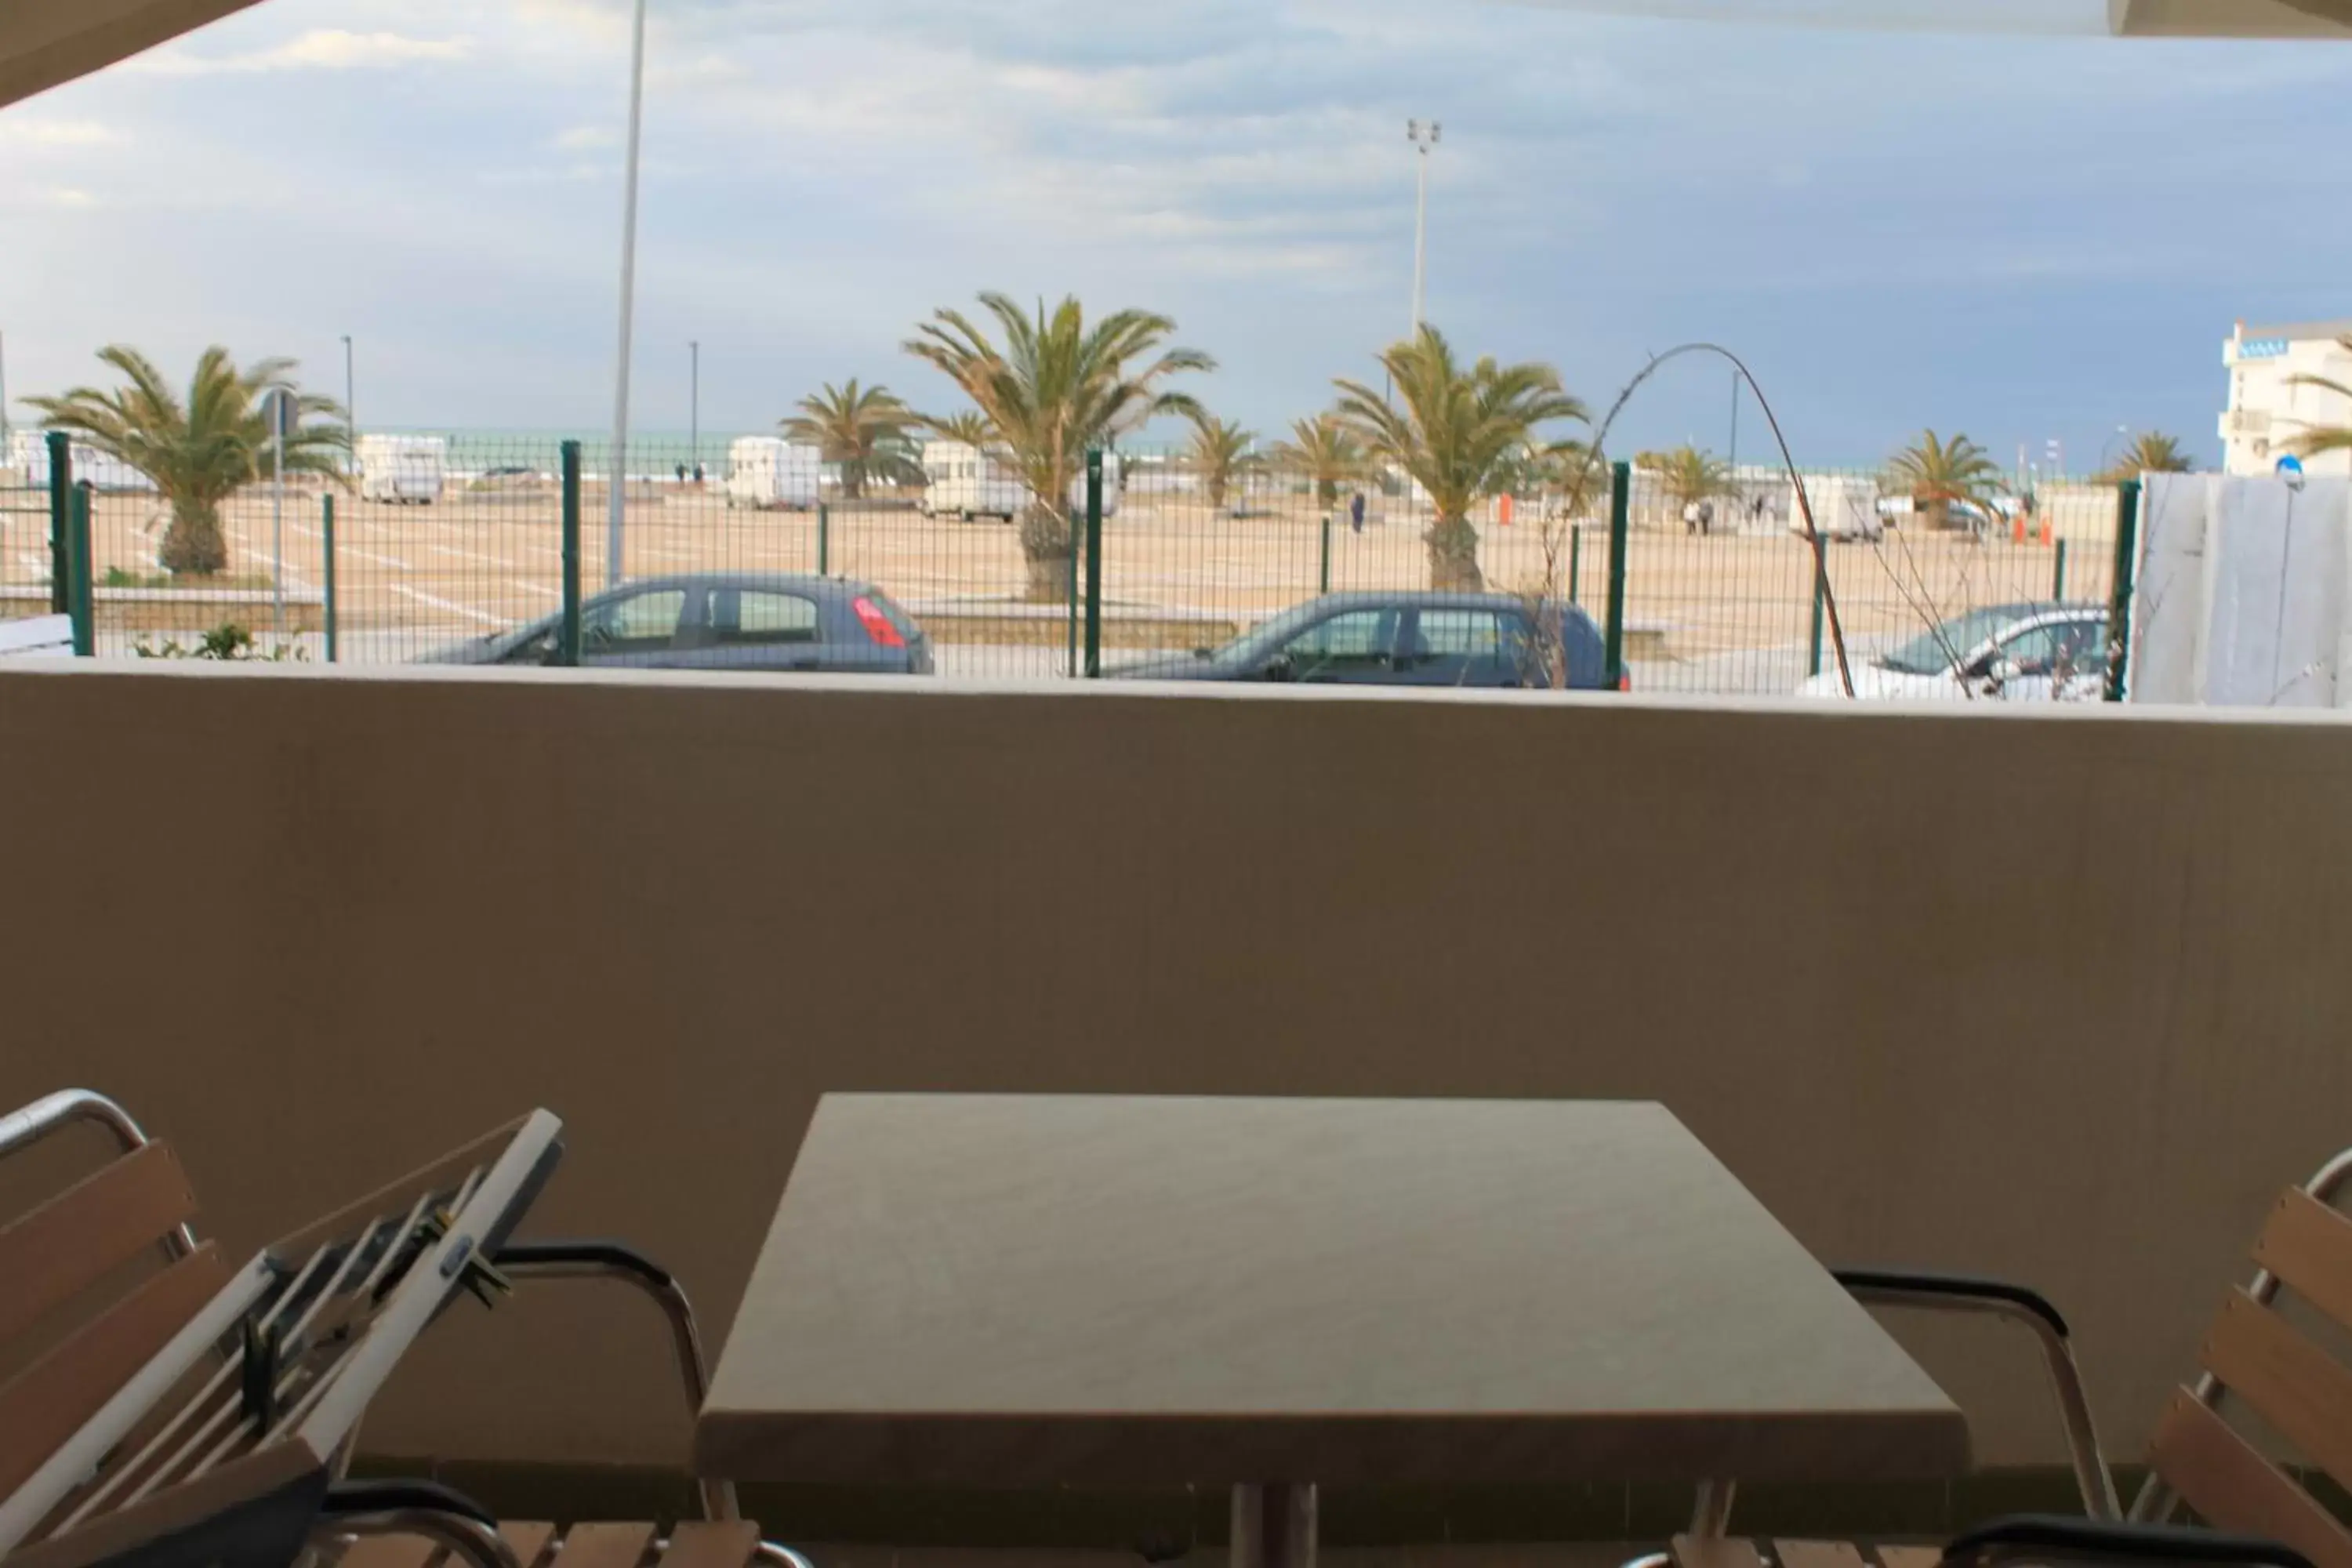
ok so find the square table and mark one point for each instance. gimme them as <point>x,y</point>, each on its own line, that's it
<point>1265,1294</point>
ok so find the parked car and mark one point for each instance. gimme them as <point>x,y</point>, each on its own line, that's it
<point>2009,653</point>
<point>1391,639</point>
<point>762,623</point>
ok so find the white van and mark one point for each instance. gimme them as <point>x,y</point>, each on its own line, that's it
<point>966,482</point>
<point>402,469</point>
<point>27,460</point>
<point>764,473</point>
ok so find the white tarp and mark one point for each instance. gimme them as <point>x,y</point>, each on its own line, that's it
<point>2243,591</point>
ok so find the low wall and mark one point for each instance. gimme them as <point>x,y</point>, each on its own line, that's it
<point>2054,996</point>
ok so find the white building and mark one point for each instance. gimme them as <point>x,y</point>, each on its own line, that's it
<point>2268,409</point>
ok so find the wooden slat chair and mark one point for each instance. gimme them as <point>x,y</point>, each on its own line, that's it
<point>2252,1507</point>
<point>82,1317</point>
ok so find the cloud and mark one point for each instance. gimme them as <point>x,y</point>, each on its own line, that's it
<point>60,133</point>
<point>322,48</point>
<point>68,196</point>
<point>586,138</point>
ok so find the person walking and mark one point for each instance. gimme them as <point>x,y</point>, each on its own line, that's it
<point>1356,512</point>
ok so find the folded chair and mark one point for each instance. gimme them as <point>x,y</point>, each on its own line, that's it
<point>203,1415</point>
<point>2257,1359</point>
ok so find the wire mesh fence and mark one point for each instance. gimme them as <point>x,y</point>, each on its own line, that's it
<point>454,548</point>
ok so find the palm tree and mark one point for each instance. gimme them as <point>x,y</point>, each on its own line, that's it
<point>2150,452</point>
<point>1219,450</point>
<point>1324,449</point>
<point>968,426</point>
<point>197,453</point>
<point>1689,476</point>
<point>1055,389</point>
<point>2319,438</point>
<point>1939,475</point>
<point>862,430</point>
<point>1457,429</point>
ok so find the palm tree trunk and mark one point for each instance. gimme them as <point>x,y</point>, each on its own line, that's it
<point>1047,547</point>
<point>853,480</point>
<point>1454,556</point>
<point>193,545</point>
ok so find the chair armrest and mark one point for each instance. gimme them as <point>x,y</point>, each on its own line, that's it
<point>1958,1289</point>
<point>399,1495</point>
<point>2047,1536</point>
<point>591,1259</point>
<point>2025,1306</point>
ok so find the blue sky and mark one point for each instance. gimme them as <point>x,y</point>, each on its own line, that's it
<point>2017,232</point>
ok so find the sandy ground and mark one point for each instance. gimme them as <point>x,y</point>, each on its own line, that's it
<point>1709,613</point>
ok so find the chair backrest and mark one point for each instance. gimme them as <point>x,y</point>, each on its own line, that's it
<point>68,1285</point>
<point>2261,1359</point>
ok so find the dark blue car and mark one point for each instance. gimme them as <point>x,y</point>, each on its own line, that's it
<point>1395,639</point>
<point>708,621</point>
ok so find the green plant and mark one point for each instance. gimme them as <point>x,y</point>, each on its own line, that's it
<point>2152,452</point>
<point>1324,449</point>
<point>200,451</point>
<point>1941,475</point>
<point>967,426</point>
<point>1689,476</point>
<point>863,430</point>
<point>1055,389</point>
<point>2321,439</point>
<point>1220,451</point>
<point>1457,430</point>
<point>116,577</point>
<point>228,642</point>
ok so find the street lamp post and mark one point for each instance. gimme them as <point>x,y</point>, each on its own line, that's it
<point>1424,138</point>
<point>694,408</point>
<point>616,481</point>
<point>351,410</point>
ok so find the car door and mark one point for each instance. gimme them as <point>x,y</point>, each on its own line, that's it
<point>759,628</point>
<point>1471,645</point>
<point>2052,661</point>
<point>642,627</point>
<point>1349,648</point>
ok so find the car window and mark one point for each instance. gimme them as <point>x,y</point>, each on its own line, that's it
<point>1459,633</point>
<point>2082,647</point>
<point>760,618</point>
<point>1353,637</point>
<point>641,623</point>
<point>2033,652</point>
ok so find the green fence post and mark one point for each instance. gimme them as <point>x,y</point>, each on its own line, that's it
<point>78,598</point>
<point>1094,562</point>
<point>60,508</point>
<point>567,636</point>
<point>1821,599</point>
<point>327,549</point>
<point>2119,604</point>
<point>2058,575</point>
<point>1323,574</point>
<point>1620,518</point>
<point>1575,562</point>
<point>824,540</point>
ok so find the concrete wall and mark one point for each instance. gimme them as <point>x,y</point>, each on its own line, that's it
<point>2061,997</point>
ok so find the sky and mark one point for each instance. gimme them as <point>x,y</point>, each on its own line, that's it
<point>2019,231</point>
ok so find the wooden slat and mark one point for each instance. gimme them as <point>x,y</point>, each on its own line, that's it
<point>2228,1482</point>
<point>1817,1555</point>
<point>527,1538</point>
<point>711,1543</point>
<point>1910,1556</point>
<point>1704,1551</point>
<point>46,1402</point>
<point>97,1224</point>
<point>389,1552</point>
<point>2309,1245</point>
<point>2299,1388</point>
<point>605,1546</point>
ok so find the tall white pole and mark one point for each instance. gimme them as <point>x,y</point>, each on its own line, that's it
<point>616,481</point>
<point>694,408</point>
<point>351,410</point>
<point>1420,238</point>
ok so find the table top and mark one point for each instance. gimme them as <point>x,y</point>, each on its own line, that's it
<point>1024,1290</point>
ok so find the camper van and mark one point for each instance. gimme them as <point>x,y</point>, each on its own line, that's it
<point>764,473</point>
<point>27,460</point>
<point>402,469</point>
<point>966,482</point>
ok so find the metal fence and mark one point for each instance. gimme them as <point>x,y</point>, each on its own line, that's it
<point>469,540</point>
